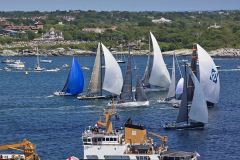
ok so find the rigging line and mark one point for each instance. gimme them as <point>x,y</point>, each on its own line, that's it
<point>178,66</point>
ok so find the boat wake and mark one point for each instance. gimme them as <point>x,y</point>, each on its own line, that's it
<point>229,70</point>
<point>50,96</point>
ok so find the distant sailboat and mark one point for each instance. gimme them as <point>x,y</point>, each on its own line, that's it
<point>209,77</point>
<point>121,58</point>
<point>156,77</point>
<point>172,95</point>
<point>127,98</point>
<point>197,115</point>
<point>96,84</point>
<point>38,68</point>
<point>75,81</point>
<point>45,61</point>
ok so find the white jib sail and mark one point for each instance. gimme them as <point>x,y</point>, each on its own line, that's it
<point>172,87</point>
<point>113,80</point>
<point>159,75</point>
<point>198,111</point>
<point>179,88</point>
<point>209,77</point>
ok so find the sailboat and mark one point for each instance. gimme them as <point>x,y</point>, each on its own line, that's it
<point>38,68</point>
<point>127,98</point>
<point>75,81</point>
<point>209,77</point>
<point>172,94</point>
<point>195,115</point>
<point>156,77</point>
<point>113,80</point>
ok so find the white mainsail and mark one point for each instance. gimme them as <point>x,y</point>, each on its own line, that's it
<point>209,77</point>
<point>179,88</point>
<point>198,111</point>
<point>113,80</point>
<point>171,91</point>
<point>159,75</point>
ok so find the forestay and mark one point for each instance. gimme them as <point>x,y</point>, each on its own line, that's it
<point>113,80</point>
<point>159,75</point>
<point>140,95</point>
<point>183,108</point>
<point>172,87</point>
<point>199,110</point>
<point>209,77</point>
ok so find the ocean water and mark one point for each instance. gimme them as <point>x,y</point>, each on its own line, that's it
<point>29,110</point>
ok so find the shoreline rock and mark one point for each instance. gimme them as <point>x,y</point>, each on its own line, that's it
<point>222,52</point>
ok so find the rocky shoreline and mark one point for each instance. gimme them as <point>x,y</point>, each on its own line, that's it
<point>222,52</point>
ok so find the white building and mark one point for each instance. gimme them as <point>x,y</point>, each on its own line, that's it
<point>215,26</point>
<point>162,20</point>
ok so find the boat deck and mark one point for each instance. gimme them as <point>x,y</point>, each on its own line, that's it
<point>179,154</point>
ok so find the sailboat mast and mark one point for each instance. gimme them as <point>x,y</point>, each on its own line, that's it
<point>101,68</point>
<point>194,60</point>
<point>131,70</point>
<point>186,83</point>
<point>38,63</point>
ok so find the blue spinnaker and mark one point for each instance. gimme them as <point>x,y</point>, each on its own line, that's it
<point>75,80</point>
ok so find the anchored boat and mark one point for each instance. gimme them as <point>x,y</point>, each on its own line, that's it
<point>132,142</point>
<point>156,76</point>
<point>112,82</point>
<point>38,68</point>
<point>75,81</point>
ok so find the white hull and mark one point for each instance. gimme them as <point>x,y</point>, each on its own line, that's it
<point>118,152</point>
<point>130,104</point>
<point>154,89</point>
<point>172,101</point>
<point>53,70</point>
<point>12,156</point>
<point>38,69</point>
<point>45,61</point>
<point>59,93</point>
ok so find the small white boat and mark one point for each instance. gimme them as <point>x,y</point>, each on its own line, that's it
<point>60,93</point>
<point>6,69</point>
<point>52,70</point>
<point>85,68</point>
<point>45,61</point>
<point>130,104</point>
<point>16,65</point>
<point>8,61</point>
<point>155,89</point>
<point>65,66</point>
<point>38,68</point>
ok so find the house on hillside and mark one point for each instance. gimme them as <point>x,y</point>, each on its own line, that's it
<point>162,20</point>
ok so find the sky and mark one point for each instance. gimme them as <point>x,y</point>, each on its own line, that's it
<point>121,5</point>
